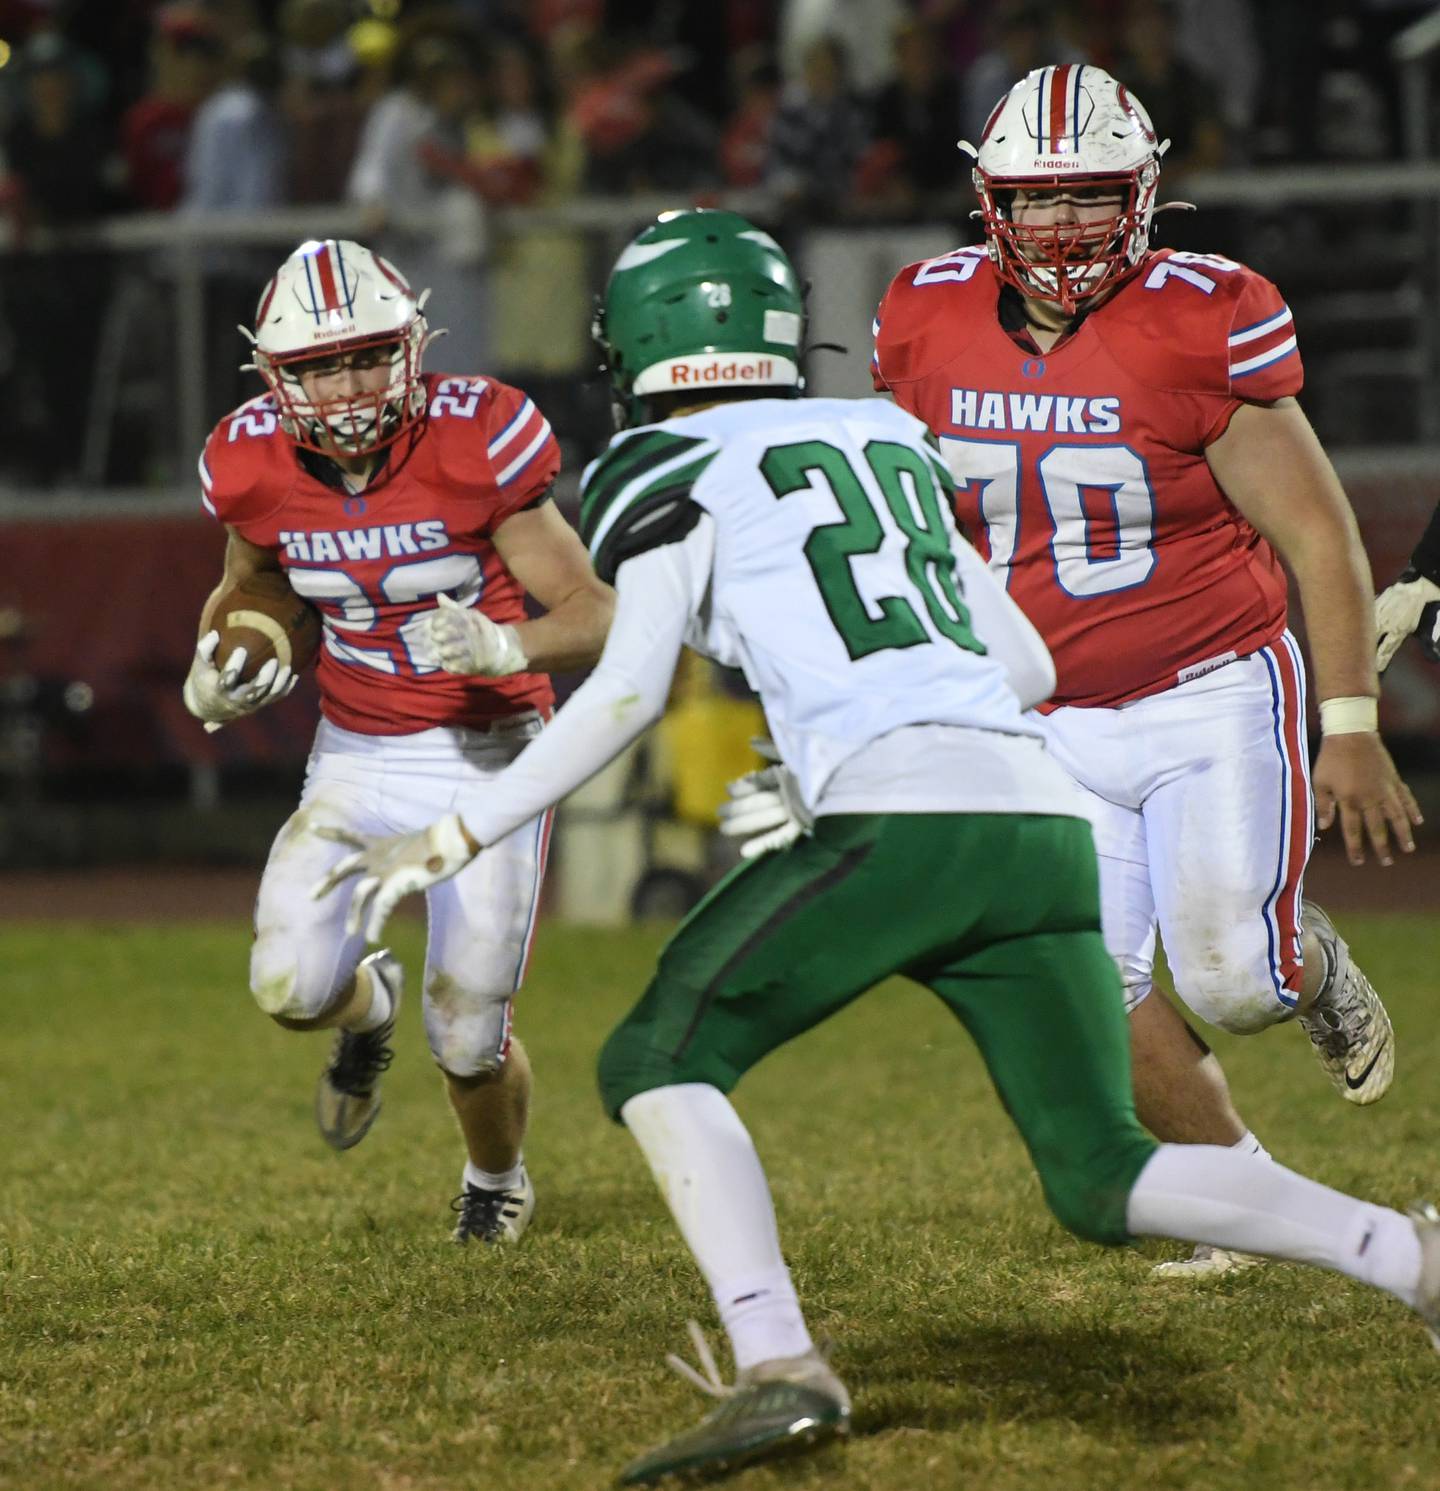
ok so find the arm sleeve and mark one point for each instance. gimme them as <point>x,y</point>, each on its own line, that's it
<point>657,594</point>
<point>1426,558</point>
<point>1004,629</point>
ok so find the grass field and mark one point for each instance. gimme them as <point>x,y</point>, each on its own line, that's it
<point>197,1293</point>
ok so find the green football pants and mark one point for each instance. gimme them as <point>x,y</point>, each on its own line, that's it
<point>997,913</point>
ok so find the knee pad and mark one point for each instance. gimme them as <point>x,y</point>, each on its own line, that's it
<point>287,987</point>
<point>468,1030</point>
<point>278,983</point>
<point>1232,999</point>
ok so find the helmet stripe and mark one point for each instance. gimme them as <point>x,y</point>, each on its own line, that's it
<point>344,287</point>
<point>310,283</point>
<point>1060,76</point>
<point>1040,111</point>
<point>327,279</point>
<point>1075,110</point>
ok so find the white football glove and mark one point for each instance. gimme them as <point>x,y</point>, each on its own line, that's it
<point>218,697</point>
<point>391,868</point>
<point>765,808</point>
<point>462,639</point>
<point>1409,605</point>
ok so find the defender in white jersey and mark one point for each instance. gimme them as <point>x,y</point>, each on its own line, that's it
<point>810,544</point>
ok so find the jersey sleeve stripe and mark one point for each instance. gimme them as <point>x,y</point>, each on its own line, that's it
<point>207,483</point>
<point>1262,359</point>
<point>684,467</point>
<point>526,456</point>
<point>1258,329</point>
<point>636,455</point>
<point>512,429</point>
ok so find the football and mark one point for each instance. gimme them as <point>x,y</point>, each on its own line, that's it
<point>265,617</point>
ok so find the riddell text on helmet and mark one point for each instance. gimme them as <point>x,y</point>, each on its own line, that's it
<point>734,372</point>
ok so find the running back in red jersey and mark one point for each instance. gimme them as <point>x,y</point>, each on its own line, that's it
<point>373,562</point>
<point>1081,472</point>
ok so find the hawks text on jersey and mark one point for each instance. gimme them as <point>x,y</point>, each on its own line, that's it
<point>1081,471</point>
<point>375,561</point>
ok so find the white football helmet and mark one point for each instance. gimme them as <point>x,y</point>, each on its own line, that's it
<point>332,297</point>
<point>1067,124</point>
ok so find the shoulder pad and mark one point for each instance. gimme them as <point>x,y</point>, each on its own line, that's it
<point>248,464</point>
<point>640,468</point>
<point>459,414</point>
<point>1225,329</point>
<point>490,442</point>
<point>930,314</point>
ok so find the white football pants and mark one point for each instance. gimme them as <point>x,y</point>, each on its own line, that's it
<point>1200,802</point>
<point>481,923</point>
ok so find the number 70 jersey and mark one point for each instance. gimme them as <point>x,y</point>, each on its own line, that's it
<point>1081,473</point>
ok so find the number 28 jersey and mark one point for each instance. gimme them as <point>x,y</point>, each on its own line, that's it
<point>373,562</point>
<point>834,585</point>
<point>1081,472</point>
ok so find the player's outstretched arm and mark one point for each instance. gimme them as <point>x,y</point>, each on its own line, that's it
<point>1412,604</point>
<point>658,594</point>
<point>1270,464</point>
<point>216,695</point>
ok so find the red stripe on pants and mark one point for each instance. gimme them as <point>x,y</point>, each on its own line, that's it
<point>1299,810</point>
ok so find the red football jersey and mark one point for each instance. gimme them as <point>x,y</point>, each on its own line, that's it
<point>374,561</point>
<point>1081,471</point>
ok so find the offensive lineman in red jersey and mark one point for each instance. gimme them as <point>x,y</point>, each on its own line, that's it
<point>1122,426</point>
<point>413,510</point>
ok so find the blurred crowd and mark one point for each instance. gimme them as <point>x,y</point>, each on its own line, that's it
<point>425,117</point>
<point>843,108</point>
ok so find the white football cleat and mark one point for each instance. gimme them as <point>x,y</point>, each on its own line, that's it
<point>493,1216</point>
<point>1347,1024</point>
<point>1204,1263</point>
<point>1426,1221</point>
<point>347,1097</point>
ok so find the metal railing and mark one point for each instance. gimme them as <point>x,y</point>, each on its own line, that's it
<point>849,268</point>
<point>1413,51</point>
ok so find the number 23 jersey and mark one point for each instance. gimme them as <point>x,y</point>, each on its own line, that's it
<point>374,562</point>
<point>1081,472</point>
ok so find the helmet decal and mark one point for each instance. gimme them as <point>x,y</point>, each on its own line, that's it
<point>634,255</point>
<point>330,286</point>
<point>1137,115</point>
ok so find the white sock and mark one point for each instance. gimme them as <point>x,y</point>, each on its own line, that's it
<point>706,1166</point>
<point>381,1008</point>
<point>487,1180</point>
<point>1202,1193</point>
<point>1247,1143</point>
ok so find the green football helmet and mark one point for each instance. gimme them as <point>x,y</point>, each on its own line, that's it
<point>700,301</point>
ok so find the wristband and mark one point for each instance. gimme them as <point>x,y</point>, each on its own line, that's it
<point>1354,714</point>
